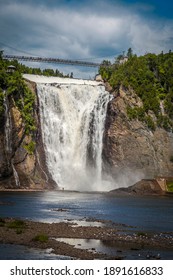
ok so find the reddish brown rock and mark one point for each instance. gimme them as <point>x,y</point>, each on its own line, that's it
<point>132,151</point>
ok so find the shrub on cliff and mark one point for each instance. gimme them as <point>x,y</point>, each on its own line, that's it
<point>24,100</point>
<point>2,109</point>
<point>150,76</point>
<point>14,86</point>
<point>1,103</point>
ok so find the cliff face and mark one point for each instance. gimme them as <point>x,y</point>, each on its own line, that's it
<point>132,151</point>
<point>20,168</point>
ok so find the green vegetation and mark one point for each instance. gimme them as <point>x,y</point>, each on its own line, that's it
<point>13,87</point>
<point>151,78</point>
<point>19,231</point>
<point>24,100</point>
<point>41,238</point>
<point>17,224</point>
<point>2,109</point>
<point>30,147</point>
<point>140,233</point>
<point>170,186</point>
<point>2,222</point>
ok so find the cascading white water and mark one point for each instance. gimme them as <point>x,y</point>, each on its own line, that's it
<point>16,176</point>
<point>72,121</point>
<point>8,139</point>
<point>8,127</point>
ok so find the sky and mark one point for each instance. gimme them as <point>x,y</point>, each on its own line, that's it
<point>86,30</point>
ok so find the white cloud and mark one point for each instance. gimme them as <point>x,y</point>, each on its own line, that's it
<point>81,33</point>
<point>151,36</point>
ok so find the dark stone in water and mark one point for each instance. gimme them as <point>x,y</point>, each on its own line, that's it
<point>59,210</point>
<point>6,203</point>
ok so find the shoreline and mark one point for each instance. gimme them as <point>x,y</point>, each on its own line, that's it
<point>24,190</point>
<point>114,193</point>
<point>24,232</point>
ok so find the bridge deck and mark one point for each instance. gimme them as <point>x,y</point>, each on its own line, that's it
<point>52,60</point>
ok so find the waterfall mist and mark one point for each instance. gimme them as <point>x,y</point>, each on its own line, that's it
<point>72,120</point>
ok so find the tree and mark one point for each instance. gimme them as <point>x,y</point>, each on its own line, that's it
<point>71,75</point>
<point>1,54</point>
<point>119,57</point>
<point>129,53</point>
<point>106,63</point>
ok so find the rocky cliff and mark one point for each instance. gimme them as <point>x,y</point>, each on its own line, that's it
<point>19,166</point>
<point>131,150</point>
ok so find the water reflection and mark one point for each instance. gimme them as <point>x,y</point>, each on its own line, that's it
<point>19,252</point>
<point>90,209</point>
<point>146,213</point>
<point>117,249</point>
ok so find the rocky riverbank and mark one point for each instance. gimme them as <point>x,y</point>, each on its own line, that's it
<point>44,235</point>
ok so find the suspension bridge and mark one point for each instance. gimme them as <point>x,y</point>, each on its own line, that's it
<point>52,60</point>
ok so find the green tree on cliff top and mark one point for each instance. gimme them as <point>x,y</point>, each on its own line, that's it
<point>151,77</point>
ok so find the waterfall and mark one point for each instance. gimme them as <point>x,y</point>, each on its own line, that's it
<point>8,139</point>
<point>16,176</point>
<point>8,128</point>
<point>72,121</point>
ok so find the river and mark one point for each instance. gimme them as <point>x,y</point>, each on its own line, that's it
<point>146,214</point>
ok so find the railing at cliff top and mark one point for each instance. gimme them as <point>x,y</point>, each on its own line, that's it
<point>52,60</point>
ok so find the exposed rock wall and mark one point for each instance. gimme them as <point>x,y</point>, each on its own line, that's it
<point>143,187</point>
<point>131,150</point>
<point>30,168</point>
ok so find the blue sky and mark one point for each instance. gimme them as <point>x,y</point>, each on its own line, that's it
<point>88,30</point>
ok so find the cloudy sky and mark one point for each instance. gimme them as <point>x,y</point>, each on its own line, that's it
<point>90,30</point>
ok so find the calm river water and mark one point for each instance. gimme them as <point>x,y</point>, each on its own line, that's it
<point>145,213</point>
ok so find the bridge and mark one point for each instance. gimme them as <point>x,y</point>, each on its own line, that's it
<point>52,60</point>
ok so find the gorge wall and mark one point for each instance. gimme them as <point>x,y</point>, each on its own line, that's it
<point>131,151</point>
<point>18,167</point>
